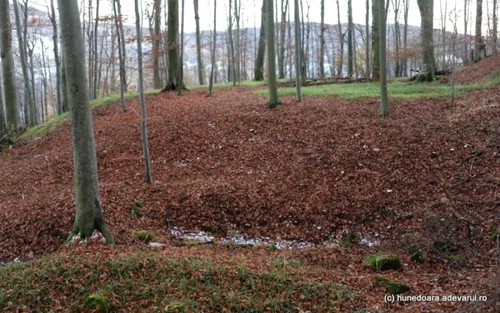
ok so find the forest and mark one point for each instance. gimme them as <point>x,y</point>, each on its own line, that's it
<point>249,156</point>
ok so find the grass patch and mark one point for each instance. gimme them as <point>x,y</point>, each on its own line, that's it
<point>47,127</point>
<point>397,89</point>
<point>149,282</point>
<point>246,83</point>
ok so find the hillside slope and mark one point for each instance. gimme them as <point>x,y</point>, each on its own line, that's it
<point>427,177</point>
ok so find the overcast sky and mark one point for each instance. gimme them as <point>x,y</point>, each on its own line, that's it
<point>251,12</point>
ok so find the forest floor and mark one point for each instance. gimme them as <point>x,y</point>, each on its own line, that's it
<point>326,171</point>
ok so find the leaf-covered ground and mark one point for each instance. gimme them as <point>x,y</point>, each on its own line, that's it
<point>425,179</point>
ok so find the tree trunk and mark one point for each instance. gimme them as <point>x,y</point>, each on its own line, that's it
<point>201,74</point>
<point>271,56</point>
<point>298,59</point>
<point>494,32</point>
<point>28,101</point>
<point>426,8</point>
<point>3,128</point>
<point>384,102</point>
<point>89,216</point>
<point>367,33</point>
<point>9,79</point>
<point>181,62</point>
<point>173,47</point>
<point>231,56</point>
<point>322,42</point>
<point>121,55</point>
<point>157,83</point>
<point>405,37</point>
<point>283,42</point>
<point>340,65</point>
<point>144,127</point>
<point>96,62</point>
<point>479,45</point>
<point>376,40</point>
<point>261,51</point>
<point>57,59</point>
<point>214,45</point>
<point>350,45</point>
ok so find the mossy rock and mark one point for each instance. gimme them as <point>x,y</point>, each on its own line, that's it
<point>136,212</point>
<point>175,307</point>
<point>391,286</point>
<point>383,262</point>
<point>144,235</point>
<point>94,302</point>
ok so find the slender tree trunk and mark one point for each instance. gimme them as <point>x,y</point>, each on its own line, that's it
<point>367,32</point>
<point>9,79</point>
<point>201,74</point>
<point>271,56</point>
<point>283,41</point>
<point>231,56</point>
<point>157,83</point>
<point>405,37</point>
<point>466,25</point>
<point>181,62</point>
<point>350,47</point>
<point>376,40</point>
<point>340,61</point>
<point>121,57</point>
<point>214,45</point>
<point>298,55</point>
<point>89,215</point>
<point>144,126</point>
<point>95,85</point>
<point>384,102</point>
<point>259,62</point>
<point>494,32</point>
<point>322,42</point>
<point>28,101</point>
<point>55,38</point>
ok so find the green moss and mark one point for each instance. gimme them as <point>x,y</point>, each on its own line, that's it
<point>98,302</point>
<point>391,286</point>
<point>416,254</point>
<point>144,235</point>
<point>136,209</point>
<point>349,239</point>
<point>383,262</point>
<point>175,307</point>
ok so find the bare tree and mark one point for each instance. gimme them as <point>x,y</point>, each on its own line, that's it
<point>426,8</point>
<point>173,47</point>
<point>494,32</point>
<point>121,54</point>
<point>322,42</point>
<point>350,43</point>
<point>384,102</point>
<point>259,60</point>
<point>298,55</point>
<point>181,63</point>
<point>479,45</point>
<point>144,127</point>
<point>57,59</point>
<point>157,82</point>
<point>6,55</point>
<point>367,34</point>
<point>201,74</point>
<point>271,56</point>
<point>214,45</point>
<point>89,216</point>
<point>283,41</point>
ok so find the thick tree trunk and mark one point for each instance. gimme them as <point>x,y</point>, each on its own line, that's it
<point>9,79</point>
<point>261,51</point>
<point>201,69</point>
<point>173,47</point>
<point>479,45</point>
<point>89,215</point>
<point>426,8</point>
<point>271,56</point>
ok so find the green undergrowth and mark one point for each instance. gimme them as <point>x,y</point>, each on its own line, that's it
<point>397,89</point>
<point>151,282</point>
<point>45,128</point>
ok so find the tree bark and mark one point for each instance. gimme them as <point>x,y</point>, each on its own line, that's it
<point>57,59</point>
<point>121,56</point>
<point>157,82</point>
<point>426,8</point>
<point>340,61</point>
<point>322,42</point>
<point>281,54</point>
<point>89,215</point>
<point>144,127</point>
<point>201,74</point>
<point>28,101</point>
<point>384,102</point>
<point>214,45</point>
<point>494,32</point>
<point>350,45</point>
<point>9,79</point>
<point>367,32</point>
<point>298,55</point>
<point>173,47</point>
<point>376,40</point>
<point>479,45</point>
<point>261,51</point>
<point>271,56</point>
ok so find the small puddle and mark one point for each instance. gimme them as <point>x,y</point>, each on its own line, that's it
<point>239,239</point>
